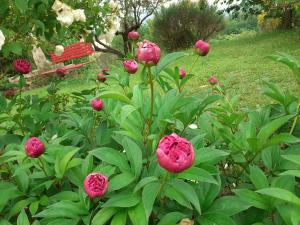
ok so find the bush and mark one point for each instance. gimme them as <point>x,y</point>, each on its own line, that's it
<point>177,26</point>
<point>239,25</point>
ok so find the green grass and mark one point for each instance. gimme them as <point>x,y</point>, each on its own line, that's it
<point>240,64</point>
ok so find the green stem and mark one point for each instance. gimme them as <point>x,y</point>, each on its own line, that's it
<point>151,113</point>
<point>194,63</point>
<point>42,166</point>
<point>295,120</point>
<point>20,113</point>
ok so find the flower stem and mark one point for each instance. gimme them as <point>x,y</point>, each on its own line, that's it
<point>152,97</point>
<point>42,166</point>
<point>194,63</point>
<point>295,120</point>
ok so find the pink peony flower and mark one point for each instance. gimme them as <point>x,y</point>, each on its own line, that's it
<point>34,147</point>
<point>175,153</point>
<point>212,80</point>
<point>22,66</point>
<point>130,66</point>
<point>10,93</point>
<point>182,73</point>
<point>202,47</point>
<point>148,53</point>
<point>61,72</point>
<point>133,35</point>
<point>101,77</point>
<point>97,104</point>
<point>105,70</point>
<point>95,185</point>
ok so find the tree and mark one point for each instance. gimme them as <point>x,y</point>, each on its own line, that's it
<point>179,25</point>
<point>279,8</point>
<point>132,14</point>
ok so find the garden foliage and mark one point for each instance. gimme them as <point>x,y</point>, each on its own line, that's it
<point>246,166</point>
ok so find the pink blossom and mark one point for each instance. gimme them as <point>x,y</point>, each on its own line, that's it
<point>175,153</point>
<point>95,185</point>
<point>10,93</point>
<point>130,66</point>
<point>212,80</point>
<point>34,147</point>
<point>182,73</point>
<point>22,66</point>
<point>202,47</point>
<point>133,35</point>
<point>148,53</point>
<point>97,104</point>
<point>105,70</point>
<point>101,77</point>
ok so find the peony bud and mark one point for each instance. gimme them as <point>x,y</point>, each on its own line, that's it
<point>61,72</point>
<point>148,53</point>
<point>97,104</point>
<point>212,80</point>
<point>182,73</point>
<point>105,70</point>
<point>95,185</point>
<point>101,77</point>
<point>202,47</point>
<point>22,66</point>
<point>59,50</point>
<point>130,66</point>
<point>10,93</point>
<point>34,147</point>
<point>175,153</point>
<point>133,35</point>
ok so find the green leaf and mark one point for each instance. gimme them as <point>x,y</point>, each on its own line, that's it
<point>134,154</point>
<point>22,5</point>
<point>258,178</point>
<point>295,173</point>
<point>281,194</point>
<point>122,200</point>
<point>103,216</point>
<point>144,182</point>
<point>113,157</point>
<point>171,218</point>
<point>282,138</point>
<point>116,96</point>
<point>197,174</point>
<point>120,181</point>
<point>22,219</point>
<point>20,205</point>
<point>61,164</point>
<point>3,103</point>
<point>171,193</point>
<point>209,155</point>
<point>168,59</point>
<point>229,205</point>
<point>292,158</point>
<point>252,198</point>
<point>267,130</point>
<point>137,215</point>
<point>216,219</point>
<point>187,191</point>
<point>119,218</point>
<point>149,195</point>
<point>15,48</point>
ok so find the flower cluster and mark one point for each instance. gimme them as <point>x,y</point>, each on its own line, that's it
<point>2,39</point>
<point>66,15</point>
<point>59,50</point>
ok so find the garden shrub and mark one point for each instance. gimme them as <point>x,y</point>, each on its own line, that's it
<point>147,152</point>
<point>179,25</point>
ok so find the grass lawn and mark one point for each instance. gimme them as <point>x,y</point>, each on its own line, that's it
<point>240,64</point>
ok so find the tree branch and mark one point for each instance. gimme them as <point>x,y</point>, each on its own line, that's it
<point>106,49</point>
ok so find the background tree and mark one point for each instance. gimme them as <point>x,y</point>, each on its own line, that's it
<point>179,25</point>
<point>132,14</point>
<point>285,9</point>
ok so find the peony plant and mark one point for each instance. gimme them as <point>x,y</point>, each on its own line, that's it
<point>155,154</point>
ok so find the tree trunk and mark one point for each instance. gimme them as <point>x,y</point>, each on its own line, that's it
<point>287,18</point>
